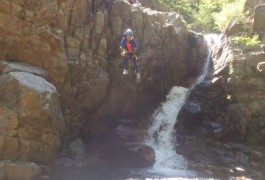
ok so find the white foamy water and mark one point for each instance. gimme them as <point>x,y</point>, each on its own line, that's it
<point>161,134</point>
<point>162,130</point>
<point>212,40</point>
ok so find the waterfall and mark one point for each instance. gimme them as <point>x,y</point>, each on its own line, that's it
<point>162,129</point>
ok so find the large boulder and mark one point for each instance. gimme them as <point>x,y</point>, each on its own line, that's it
<point>36,46</point>
<point>31,120</point>
<point>204,111</point>
<point>259,17</point>
<point>250,5</point>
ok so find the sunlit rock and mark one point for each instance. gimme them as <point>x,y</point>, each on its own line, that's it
<point>38,114</point>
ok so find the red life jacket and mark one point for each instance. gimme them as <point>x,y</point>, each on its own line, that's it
<point>129,46</point>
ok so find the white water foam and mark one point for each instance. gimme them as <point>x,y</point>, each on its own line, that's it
<point>161,134</point>
<point>212,40</point>
<point>162,130</point>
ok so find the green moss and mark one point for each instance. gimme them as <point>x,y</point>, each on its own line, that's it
<point>246,41</point>
<point>232,64</point>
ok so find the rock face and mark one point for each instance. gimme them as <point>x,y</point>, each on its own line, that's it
<point>250,5</point>
<point>31,119</point>
<point>76,44</point>
<point>232,103</point>
<point>255,8</point>
<point>168,53</point>
<point>61,70</point>
<point>23,171</point>
<point>205,110</point>
<point>259,17</point>
<point>244,85</point>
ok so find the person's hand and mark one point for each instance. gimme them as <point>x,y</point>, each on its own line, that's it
<point>123,53</point>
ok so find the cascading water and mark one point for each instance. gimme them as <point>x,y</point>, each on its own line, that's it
<point>161,134</point>
<point>162,130</point>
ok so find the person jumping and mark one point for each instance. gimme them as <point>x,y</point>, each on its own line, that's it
<point>128,45</point>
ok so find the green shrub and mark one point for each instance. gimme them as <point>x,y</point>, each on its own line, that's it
<point>206,15</point>
<point>204,19</point>
<point>186,8</point>
<point>246,41</point>
<point>231,11</point>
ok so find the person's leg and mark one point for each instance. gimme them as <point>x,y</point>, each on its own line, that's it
<point>136,65</point>
<point>108,6</point>
<point>125,65</point>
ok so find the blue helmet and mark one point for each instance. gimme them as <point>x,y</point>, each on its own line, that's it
<point>128,32</point>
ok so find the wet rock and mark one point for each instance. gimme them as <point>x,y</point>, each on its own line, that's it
<point>193,107</point>
<point>227,160</point>
<point>242,157</point>
<point>205,110</point>
<point>125,147</point>
<point>228,150</point>
<point>238,171</point>
<point>256,156</point>
<point>210,171</point>
<point>131,155</point>
<point>127,134</point>
<point>77,149</point>
<point>144,155</point>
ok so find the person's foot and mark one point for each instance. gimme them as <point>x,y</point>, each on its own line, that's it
<point>138,76</point>
<point>125,71</point>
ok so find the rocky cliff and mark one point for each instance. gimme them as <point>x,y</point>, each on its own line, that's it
<point>61,70</point>
<point>231,103</point>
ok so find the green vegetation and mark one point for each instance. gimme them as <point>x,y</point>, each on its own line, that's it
<point>230,11</point>
<point>246,41</point>
<point>207,15</point>
<point>232,66</point>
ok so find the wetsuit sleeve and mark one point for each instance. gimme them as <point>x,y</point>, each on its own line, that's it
<point>122,44</point>
<point>134,44</point>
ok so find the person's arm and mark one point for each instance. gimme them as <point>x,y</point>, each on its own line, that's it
<point>134,44</point>
<point>122,44</point>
